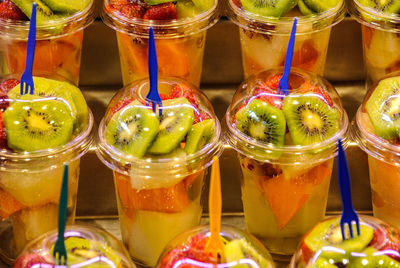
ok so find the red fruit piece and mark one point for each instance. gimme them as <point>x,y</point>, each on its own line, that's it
<point>120,104</point>
<point>3,134</point>
<point>7,85</point>
<point>200,116</point>
<point>164,97</point>
<point>180,91</point>
<point>322,94</point>
<point>29,260</point>
<point>166,11</point>
<point>268,92</point>
<point>387,239</point>
<point>8,10</point>
<point>128,9</point>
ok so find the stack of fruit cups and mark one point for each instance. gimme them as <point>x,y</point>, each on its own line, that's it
<point>376,129</point>
<point>378,245</point>
<point>265,26</point>
<point>159,162</point>
<point>240,250</point>
<point>180,32</point>
<point>59,36</point>
<point>286,146</point>
<point>86,247</point>
<point>380,25</point>
<point>39,133</point>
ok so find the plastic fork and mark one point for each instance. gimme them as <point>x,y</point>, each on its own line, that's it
<point>153,96</point>
<point>283,87</point>
<point>60,252</point>
<point>214,245</point>
<point>349,215</point>
<point>27,85</point>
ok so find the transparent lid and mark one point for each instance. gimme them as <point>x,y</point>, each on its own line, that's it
<point>86,247</point>
<point>302,126</point>
<point>323,246</point>
<point>181,137</point>
<point>240,249</point>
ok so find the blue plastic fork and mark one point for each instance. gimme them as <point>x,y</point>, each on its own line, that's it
<point>349,215</point>
<point>153,96</point>
<point>27,78</point>
<point>283,87</point>
<point>60,252</point>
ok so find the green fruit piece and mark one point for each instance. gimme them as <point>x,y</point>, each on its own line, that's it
<point>309,119</point>
<point>67,6</point>
<point>186,9</point>
<point>387,6</point>
<point>304,9</point>
<point>263,122</point>
<point>233,253</point>
<point>71,94</point>
<point>270,8</point>
<point>156,2</point>
<point>249,250</point>
<point>320,6</point>
<point>43,12</point>
<point>199,135</point>
<point>204,5</point>
<point>175,122</point>
<point>372,260</point>
<point>383,108</point>
<point>322,263</point>
<point>328,234</point>
<point>37,124</point>
<point>132,129</point>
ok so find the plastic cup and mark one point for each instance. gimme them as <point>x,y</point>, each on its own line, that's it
<point>30,184</point>
<point>264,39</point>
<point>180,44</point>
<point>86,246</point>
<point>58,45</point>
<point>284,188</point>
<point>241,249</point>
<point>381,41</point>
<point>383,158</point>
<point>158,196</point>
<point>377,246</point>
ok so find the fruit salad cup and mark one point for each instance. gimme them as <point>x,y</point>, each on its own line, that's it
<point>286,146</point>
<point>378,245</point>
<point>376,129</point>
<point>265,30</point>
<point>59,36</point>
<point>240,250</point>
<point>86,247</point>
<point>179,30</point>
<point>159,162</point>
<point>39,133</point>
<point>380,26</point>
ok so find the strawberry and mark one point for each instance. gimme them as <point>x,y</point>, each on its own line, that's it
<point>8,10</point>
<point>184,91</point>
<point>3,134</point>
<point>7,85</point>
<point>164,97</point>
<point>322,94</point>
<point>120,104</point>
<point>388,240</point>
<point>129,9</point>
<point>30,260</point>
<point>166,11</point>
<point>200,116</point>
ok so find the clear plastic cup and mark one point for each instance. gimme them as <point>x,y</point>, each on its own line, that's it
<point>158,193</point>
<point>377,246</point>
<point>58,45</point>
<point>240,250</point>
<point>180,44</point>
<point>264,39</point>
<point>86,246</point>
<point>381,41</point>
<point>383,149</point>
<point>30,181</point>
<point>285,184</point>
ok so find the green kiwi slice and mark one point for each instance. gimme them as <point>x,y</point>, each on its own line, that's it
<point>372,260</point>
<point>319,6</point>
<point>328,234</point>
<point>37,124</point>
<point>175,122</point>
<point>270,8</point>
<point>309,119</point>
<point>43,12</point>
<point>240,249</point>
<point>132,129</point>
<point>322,263</point>
<point>53,88</point>
<point>203,5</point>
<point>304,9</point>
<point>199,135</point>
<point>186,9</point>
<point>69,7</point>
<point>262,121</point>
<point>383,108</point>
<point>233,253</point>
<point>387,6</point>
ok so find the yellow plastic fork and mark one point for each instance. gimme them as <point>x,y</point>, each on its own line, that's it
<point>214,245</point>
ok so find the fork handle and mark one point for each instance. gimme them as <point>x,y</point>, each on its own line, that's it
<point>30,54</point>
<point>344,180</point>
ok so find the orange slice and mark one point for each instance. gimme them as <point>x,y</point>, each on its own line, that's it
<point>306,57</point>
<point>135,54</point>
<point>171,58</point>
<point>8,205</point>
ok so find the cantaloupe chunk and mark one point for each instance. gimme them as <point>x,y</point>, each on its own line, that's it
<point>8,205</point>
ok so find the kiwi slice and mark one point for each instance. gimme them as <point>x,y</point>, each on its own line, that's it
<point>132,129</point>
<point>328,234</point>
<point>262,121</point>
<point>271,8</point>
<point>37,124</point>
<point>175,122</point>
<point>319,6</point>
<point>233,253</point>
<point>71,94</point>
<point>387,6</point>
<point>203,5</point>
<point>199,135</point>
<point>322,263</point>
<point>383,108</point>
<point>372,260</point>
<point>309,119</point>
<point>43,12</point>
<point>186,9</point>
<point>69,7</point>
<point>304,9</point>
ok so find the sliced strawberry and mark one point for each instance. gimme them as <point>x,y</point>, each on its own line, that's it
<point>180,91</point>
<point>308,88</point>
<point>29,260</point>
<point>121,104</point>
<point>3,134</point>
<point>164,97</point>
<point>7,85</point>
<point>8,10</point>
<point>166,11</point>
<point>387,239</point>
<point>200,116</point>
<point>128,9</point>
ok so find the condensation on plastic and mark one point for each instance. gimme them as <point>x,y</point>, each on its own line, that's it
<point>228,234</point>
<point>101,243</point>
